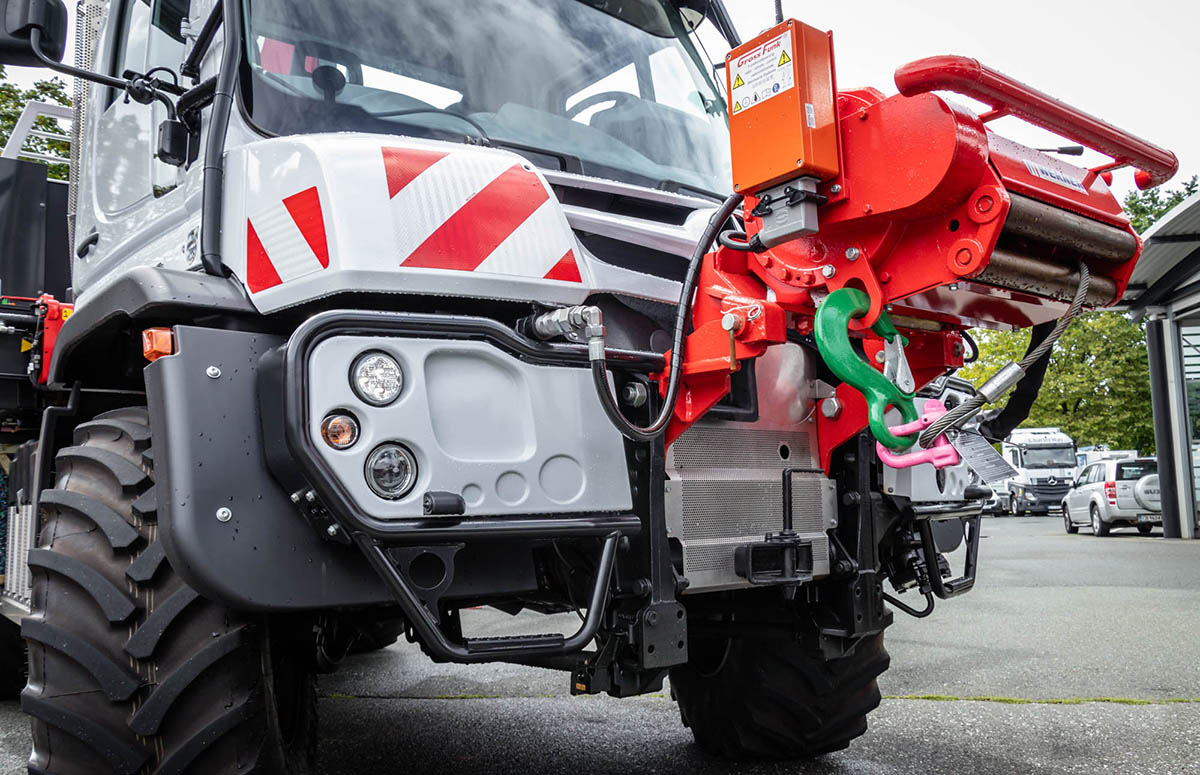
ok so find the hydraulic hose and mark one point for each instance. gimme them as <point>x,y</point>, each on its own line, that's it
<point>596,343</point>
<point>999,383</point>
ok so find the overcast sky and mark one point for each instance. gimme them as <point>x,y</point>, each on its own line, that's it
<point>1134,64</point>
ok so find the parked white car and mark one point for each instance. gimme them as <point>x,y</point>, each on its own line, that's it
<point>1114,493</point>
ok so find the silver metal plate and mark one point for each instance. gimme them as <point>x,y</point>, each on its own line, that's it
<point>982,457</point>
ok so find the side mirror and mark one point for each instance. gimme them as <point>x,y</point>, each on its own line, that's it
<point>23,20</point>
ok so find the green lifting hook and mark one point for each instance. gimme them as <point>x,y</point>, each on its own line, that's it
<point>833,341</point>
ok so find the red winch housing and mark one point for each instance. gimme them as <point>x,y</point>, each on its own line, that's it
<point>939,220</point>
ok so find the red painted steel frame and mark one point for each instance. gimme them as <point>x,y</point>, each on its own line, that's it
<point>916,212</point>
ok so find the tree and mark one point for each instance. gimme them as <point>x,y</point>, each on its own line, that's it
<point>1097,388</point>
<point>1146,207</point>
<point>12,101</point>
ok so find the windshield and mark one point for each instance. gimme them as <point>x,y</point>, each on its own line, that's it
<point>619,93</point>
<point>1049,457</point>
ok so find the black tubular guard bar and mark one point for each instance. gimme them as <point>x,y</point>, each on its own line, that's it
<point>962,584</point>
<point>499,649</point>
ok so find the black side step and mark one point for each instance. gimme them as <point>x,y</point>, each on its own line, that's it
<point>441,647</point>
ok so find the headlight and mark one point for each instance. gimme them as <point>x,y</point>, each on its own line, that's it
<point>391,471</point>
<point>376,378</point>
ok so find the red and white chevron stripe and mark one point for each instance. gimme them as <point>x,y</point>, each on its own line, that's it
<point>286,241</point>
<point>474,212</point>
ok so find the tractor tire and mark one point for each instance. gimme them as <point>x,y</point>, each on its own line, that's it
<point>130,670</point>
<point>769,698</point>
<point>13,661</point>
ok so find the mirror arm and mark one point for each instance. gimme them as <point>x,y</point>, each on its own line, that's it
<point>191,66</point>
<point>35,39</point>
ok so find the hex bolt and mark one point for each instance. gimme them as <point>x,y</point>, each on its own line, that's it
<point>332,531</point>
<point>852,254</point>
<point>224,514</point>
<point>831,408</point>
<point>310,496</point>
<point>828,271</point>
<point>651,618</point>
<point>635,394</point>
<point>836,188</point>
<point>213,372</point>
<point>731,322</point>
<point>954,286</point>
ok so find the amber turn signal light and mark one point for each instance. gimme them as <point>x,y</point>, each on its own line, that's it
<point>157,342</point>
<point>340,430</point>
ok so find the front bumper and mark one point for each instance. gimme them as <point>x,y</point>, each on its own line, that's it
<point>241,441</point>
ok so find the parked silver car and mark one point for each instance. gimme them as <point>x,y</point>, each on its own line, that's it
<point>1114,493</point>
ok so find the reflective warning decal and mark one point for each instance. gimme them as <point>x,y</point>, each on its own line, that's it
<point>763,72</point>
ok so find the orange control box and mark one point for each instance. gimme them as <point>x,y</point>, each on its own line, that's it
<point>782,112</point>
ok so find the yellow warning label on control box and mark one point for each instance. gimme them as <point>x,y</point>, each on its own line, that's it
<point>762,73</point>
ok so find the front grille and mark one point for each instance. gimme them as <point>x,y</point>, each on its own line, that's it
<point>1047,490</point>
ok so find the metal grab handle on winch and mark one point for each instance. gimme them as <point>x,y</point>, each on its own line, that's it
<point>832,332</point>
<point>1008,96</point>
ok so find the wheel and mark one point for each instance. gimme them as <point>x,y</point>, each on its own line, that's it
<point>13,661</point>
<point>1014,509</point>
<point>1099,526</point>
<point>1071,527</point>
<point>1145,529</point>
<point>130,670</point>
<point>762,698</point>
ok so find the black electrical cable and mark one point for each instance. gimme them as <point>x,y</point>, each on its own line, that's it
<point>735,240</point>
<point>600,367</point>
<point>974,347</point>
<point>926,611</point>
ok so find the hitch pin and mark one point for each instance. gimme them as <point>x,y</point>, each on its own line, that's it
<point>895,365</point>
<point>732,323</point>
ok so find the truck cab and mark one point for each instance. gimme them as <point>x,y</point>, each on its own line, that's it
<point>1044,460</point>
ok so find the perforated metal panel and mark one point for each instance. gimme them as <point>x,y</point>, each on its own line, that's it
<point>89,14</point>
<point>21,537</point>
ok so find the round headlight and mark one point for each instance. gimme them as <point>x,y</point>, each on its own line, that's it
<point>340,430</point>
<point>391,471</point>
<point>376,378</point>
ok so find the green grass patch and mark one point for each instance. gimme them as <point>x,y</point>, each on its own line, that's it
<point>1052,701</point>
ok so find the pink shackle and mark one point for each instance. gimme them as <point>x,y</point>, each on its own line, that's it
<point>941,454</point>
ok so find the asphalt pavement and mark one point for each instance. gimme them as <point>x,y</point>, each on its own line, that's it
<point>1073,654</point>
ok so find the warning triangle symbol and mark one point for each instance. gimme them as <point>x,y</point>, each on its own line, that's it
<point>737,106</point>
<point>26,345</point>
<point>784,58</point>
<point>738,81</point>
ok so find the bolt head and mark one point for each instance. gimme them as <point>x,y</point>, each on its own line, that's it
<point>828,271</point>
<point>213,372</point>
<point>224,514</point>
<point>331,531</point>
<point>852,254</point>
<point>731,322</point>
<point>651,618</point>
<point>836,188</point>
<point>880,357</point>
<point>831,408</point>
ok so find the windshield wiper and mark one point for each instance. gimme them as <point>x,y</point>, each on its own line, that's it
<point>483,135</point>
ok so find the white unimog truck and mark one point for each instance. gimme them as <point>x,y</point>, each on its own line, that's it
<point>378,311</point>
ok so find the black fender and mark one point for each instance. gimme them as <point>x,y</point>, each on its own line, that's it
<point>147,295</point>
<point>208,446</point>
